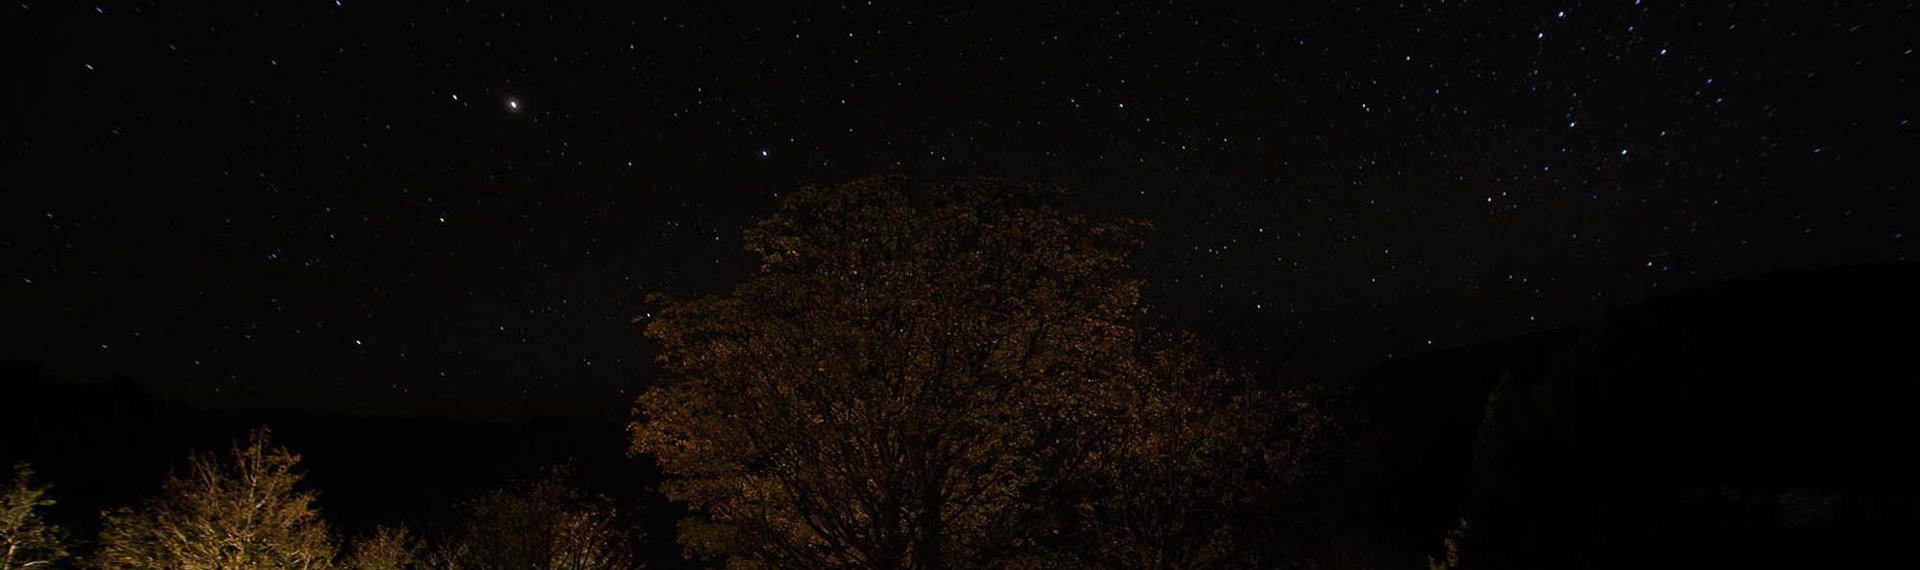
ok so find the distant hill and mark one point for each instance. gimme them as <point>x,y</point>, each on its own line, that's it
<point>1765,422</point>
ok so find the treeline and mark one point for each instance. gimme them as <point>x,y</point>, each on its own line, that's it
<point>249,508</point>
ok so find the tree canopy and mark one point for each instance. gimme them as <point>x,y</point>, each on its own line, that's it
<point>903,371</point>
<point>244,510</point>
<point>539,524</point>
<point>26,540</point>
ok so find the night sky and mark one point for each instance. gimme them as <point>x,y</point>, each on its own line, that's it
<point>458,207</point>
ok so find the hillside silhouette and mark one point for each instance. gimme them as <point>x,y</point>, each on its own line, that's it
<point>1763,422</point>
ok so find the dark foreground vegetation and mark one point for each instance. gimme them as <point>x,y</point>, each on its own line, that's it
<point>957,375</point>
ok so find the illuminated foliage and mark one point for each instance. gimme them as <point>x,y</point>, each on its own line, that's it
<point>241,511</point>
<point>1449,557</point>
<point>1193,467</point>
<point>26,541</point>
<point>388,548</point>
<point>544,524</point>
<point>894,386</point>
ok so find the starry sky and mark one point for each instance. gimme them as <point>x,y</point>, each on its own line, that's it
<point>458,207</point>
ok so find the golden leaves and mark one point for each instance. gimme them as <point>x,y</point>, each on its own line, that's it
<point>894,379</point>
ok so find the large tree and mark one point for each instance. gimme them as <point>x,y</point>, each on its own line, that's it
<point>245,510</point>
<point>910,367</point>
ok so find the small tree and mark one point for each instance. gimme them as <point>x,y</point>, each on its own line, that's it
<point>241,511</point>
<point>28,541</point>
<point>545,524</point>
<point>388,548</point>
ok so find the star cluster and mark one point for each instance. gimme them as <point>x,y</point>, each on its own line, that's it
<point>458,207</point>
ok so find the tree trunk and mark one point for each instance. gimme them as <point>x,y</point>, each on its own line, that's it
<point>930,529</point>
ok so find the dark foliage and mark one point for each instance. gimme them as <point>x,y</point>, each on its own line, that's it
<point>1763,423</point>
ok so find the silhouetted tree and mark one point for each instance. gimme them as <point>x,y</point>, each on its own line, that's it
<point>906,373</point>
<point>388,548</point>
<point>242,511</point>
<point>26,541</point>
<point>544,524</point>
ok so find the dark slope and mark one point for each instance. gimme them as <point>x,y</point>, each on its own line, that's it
<point>1763,422</point>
